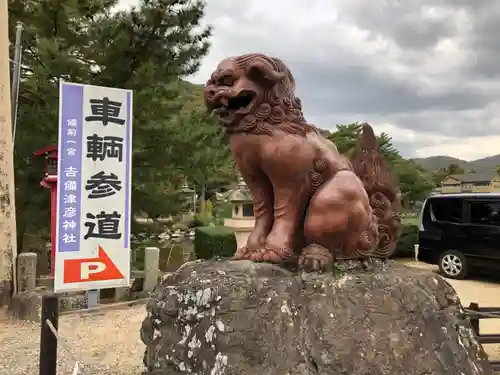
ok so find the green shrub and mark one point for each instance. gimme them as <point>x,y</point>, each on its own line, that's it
<point>216,241</point>
<point>407,241</point>
<point>202,220</point>
<point>223,210</point>
<point>208,208</point>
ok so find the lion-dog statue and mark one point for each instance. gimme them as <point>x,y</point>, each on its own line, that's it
<point>309,200</point>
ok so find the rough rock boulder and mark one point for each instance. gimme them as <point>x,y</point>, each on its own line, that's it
<point>238,317</point>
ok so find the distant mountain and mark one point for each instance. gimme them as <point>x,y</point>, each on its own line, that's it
<point>436,162</point>
<point>484,165</point>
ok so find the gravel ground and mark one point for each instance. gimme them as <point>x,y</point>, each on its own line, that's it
<point>109,342</point>
<point>484,293</point>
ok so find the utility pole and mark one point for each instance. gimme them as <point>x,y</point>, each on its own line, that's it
<point>8,239</point>
<point>16,78</point>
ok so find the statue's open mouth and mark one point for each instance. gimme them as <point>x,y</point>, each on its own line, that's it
<point>225,106</point>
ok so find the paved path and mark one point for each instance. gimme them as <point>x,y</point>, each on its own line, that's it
<point>485,293</point>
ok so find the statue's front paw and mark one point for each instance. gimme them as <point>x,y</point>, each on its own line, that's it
<point>243,253</point>
<point>315,258</point>
<point>271,254</point>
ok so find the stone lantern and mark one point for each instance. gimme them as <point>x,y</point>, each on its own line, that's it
<point>242,220</point>
<point>189,193</point>
<point>49,181</point>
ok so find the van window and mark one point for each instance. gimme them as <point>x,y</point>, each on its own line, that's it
<point>485,213</point>
<point>448,210</point>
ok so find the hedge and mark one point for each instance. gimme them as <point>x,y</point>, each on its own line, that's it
<point>212,242</point>
<point>219,241</point>
<point>407,241</point>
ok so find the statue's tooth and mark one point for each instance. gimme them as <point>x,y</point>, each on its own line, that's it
<point>224,101</point>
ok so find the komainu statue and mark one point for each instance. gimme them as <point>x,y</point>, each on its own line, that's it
<point>309,200</point>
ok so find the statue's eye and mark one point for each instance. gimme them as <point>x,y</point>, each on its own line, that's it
<point>227,81</point>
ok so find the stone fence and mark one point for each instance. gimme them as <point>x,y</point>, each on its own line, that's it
<point>26,303</point>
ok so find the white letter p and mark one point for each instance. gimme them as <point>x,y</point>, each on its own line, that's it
<point>88,268</point>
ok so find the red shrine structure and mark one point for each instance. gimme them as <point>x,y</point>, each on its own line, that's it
<point>49,181</point>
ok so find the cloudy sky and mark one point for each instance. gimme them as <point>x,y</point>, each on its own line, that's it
<point>427,72</point>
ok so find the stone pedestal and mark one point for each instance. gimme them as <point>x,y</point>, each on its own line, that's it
<point>241,227</point>
<point>240,317</point>
<point>241,238</point>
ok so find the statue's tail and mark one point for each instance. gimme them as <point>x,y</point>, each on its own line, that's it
<point>380,184</point>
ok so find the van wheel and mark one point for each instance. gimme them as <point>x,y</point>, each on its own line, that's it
<point>453,265</point>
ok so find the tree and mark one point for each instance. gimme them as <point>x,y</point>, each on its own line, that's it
<point>454,169</point>
<point>147,49</point>
<point>200,147</point>
<point>439,175</point>
<point>345,137</point>
<point>45,58</point>
<point>415,182</point>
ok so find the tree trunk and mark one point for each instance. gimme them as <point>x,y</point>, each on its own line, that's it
<point>202,197</point>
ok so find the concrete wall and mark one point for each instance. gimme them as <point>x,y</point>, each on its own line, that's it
<point>446,189</point>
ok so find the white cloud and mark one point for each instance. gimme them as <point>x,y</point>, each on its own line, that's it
<point>126,4</point>
<point>409,68</point>
<point>470,148</point>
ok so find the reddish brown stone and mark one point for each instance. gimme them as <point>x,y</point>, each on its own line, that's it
<point>309,201</point>
<point>382,190</point>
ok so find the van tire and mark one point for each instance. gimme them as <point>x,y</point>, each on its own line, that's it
<point>453,265</point>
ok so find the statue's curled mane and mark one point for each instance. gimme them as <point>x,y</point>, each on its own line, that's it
<point>380,185</point>
<point>280,108</point>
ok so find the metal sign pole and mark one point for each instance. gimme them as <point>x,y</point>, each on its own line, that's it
<point>48,342</point>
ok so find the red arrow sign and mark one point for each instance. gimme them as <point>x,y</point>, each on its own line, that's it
<point>91,269</point>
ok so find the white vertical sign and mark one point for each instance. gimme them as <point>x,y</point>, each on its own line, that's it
<point>94,188</point>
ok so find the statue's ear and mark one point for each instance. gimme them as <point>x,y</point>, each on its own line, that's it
<point>261,71</point>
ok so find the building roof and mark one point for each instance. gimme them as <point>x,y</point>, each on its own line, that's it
<point>239,195</point>
<point>473,177</point>
<point>46,150</point>
<point>467,195</point>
